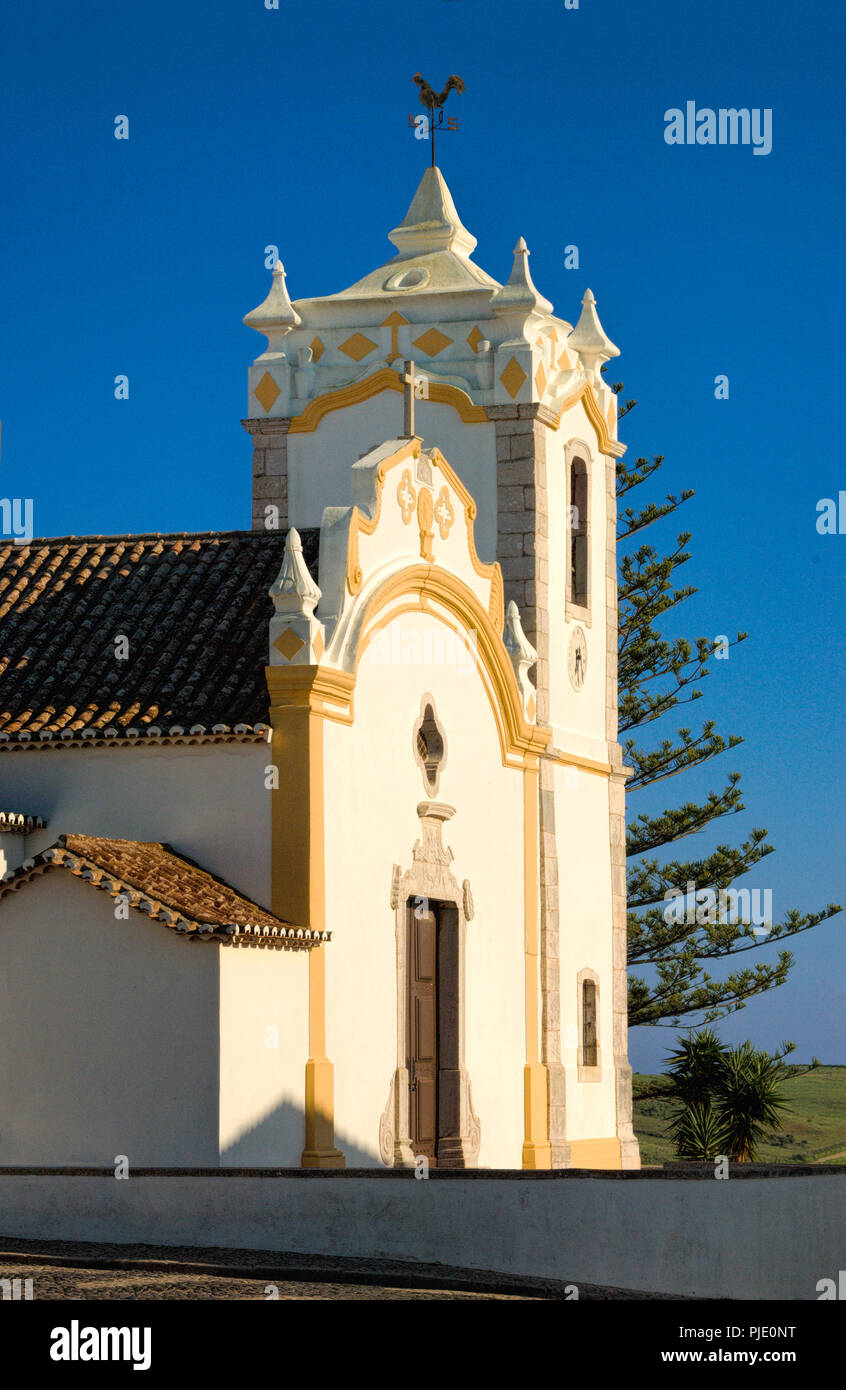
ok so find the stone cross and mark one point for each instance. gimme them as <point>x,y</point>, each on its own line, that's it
<point>409,382</point>
<point>414,388</point>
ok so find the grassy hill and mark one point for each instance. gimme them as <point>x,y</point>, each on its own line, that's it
<point>813,1129</point>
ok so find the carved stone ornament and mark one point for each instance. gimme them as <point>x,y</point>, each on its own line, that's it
<point>469,908</point>
<point>395,882</point>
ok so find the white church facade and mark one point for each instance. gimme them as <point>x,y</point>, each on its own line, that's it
<point>313,836</point>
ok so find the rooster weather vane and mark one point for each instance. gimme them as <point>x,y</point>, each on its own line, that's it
<point>434,102</point>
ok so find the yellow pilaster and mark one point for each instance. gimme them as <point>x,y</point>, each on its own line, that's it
<point>298,878</point>
<point>537,1150</point>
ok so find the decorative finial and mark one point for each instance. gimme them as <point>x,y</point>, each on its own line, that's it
<point>590,340</point>
<point>294,590</point>
<point>434,101</point>
<point>519,291</point>
<point>432,222</point>
<point>276,315</point>
<point>296,637</point>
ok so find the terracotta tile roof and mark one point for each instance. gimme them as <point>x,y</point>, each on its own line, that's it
<point>193,607</point>
<point>15,823</point>
<point>167,887</point>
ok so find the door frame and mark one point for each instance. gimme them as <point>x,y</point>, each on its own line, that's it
<point>430,879</point>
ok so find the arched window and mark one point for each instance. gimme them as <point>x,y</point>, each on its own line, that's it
<point>578,519</point>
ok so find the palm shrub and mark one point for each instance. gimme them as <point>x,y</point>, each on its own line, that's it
<point>749,1101</point>
<point>696,1069</point>
<point>698,1132</point>
<point>727,1098</point>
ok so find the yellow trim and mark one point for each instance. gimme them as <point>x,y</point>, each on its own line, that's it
<point>358,346</point>
<point>596,1153</point>
<point>493,572</point>
<point>537,1150</point>
<point>320,1150</point>
<point>394,321</point>
<point>444,393</point>
<point>298,871</point>
<point>586,394</point>
<point>575,760</point>
<point>384,380</point>
<point>429,583</point>
<point>266,392</point>
<point>425,520</point>
<point>320,689</point>
<point>436,341</point>
<point>301,697</point>
<point>360,523</point>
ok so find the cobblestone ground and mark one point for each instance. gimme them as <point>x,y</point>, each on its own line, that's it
<point>50,1281</point>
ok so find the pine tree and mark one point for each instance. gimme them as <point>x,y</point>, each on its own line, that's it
<point>657,676</point>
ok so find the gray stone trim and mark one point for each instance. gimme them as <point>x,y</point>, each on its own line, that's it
<point>270,468</point>
<point>550,972</point>
<point>531,410</point>
<point>523,554</point>
<point>629,1149</point>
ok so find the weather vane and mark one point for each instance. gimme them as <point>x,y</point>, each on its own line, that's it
<point>434,102</point>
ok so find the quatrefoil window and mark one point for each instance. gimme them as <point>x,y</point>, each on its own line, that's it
<point>429,745</point>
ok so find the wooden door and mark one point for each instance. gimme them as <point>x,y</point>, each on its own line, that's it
<point>423,1029</point>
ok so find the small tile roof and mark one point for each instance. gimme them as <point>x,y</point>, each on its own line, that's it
<point>15,823</point>
<point>194,609</point>
<point>167,887</point>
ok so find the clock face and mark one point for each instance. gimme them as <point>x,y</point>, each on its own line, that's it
<point>577,658</point>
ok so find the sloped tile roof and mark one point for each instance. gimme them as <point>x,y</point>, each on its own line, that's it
<point>170,889</point>
<point>194,609</point>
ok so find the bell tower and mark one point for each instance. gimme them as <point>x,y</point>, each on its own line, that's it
<point>513,397</point>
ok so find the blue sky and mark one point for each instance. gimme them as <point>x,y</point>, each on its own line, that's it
<point>251,126</point>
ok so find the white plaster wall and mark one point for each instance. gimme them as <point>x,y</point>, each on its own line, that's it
<point>110,1033</point>
<point>373,787</point>
<point>12,852</point>
<point>581,798</point>
<point>749,1238</point>
<point>584,871</point>
<point>319,463</point>
<point>182,794</point>
<point>263,1052</point>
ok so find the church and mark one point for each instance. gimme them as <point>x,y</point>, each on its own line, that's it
<point>312,836</point>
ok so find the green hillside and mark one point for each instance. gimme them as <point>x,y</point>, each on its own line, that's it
<point>813,1130</point>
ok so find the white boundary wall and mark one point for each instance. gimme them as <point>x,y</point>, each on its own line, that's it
<point>741,1238</point>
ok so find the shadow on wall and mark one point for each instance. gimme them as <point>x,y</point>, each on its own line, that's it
<point>278,1140</point>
